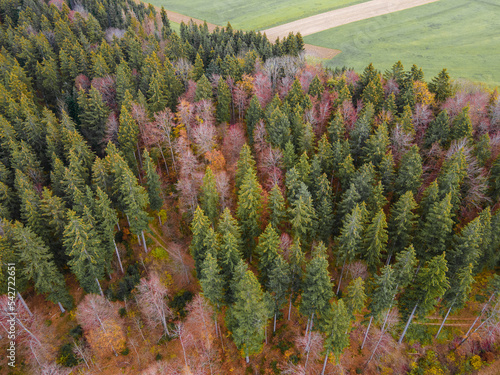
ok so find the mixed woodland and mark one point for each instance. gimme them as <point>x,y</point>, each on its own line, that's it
<point>201,202</point>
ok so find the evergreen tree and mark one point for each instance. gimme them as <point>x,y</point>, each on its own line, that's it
<point>212,282</point>
<point>386,171</point>
<point>362,130</point>
<point>252,117</point>
<point>482,149</point>
<point>224,103</point>
<point>402,223</point>
<point>278,128</point>
<point>461,125</point>
<point>209,196</point>
<point>198,69</point>
<point>153,182</point>
<point>158,95</point>
<point>438,130</point>
<point>82,245</point>
<point>93,115</point>
<point>229,257</point>
<point>245,162</point>
<point>355,295</point>
<point>267,250</point>
<point>303,216</point>
<point>199,227</point>
<point>297,261</point>
<point>124,82</point>
<point>247,317</point>
<point>203,89</point>
<point>410,171</point>
<point>316,88</point>
<point>337,338</point>
<point>276,207</point>
<point>435,235</point>
<point>324,208</point>
<point>278,284</point>
<point>316,288</point>
<point>249,210</point>
<point>376,145</point>
<point>441,86</point>
<point>375,240</point>
<point>466,247</point>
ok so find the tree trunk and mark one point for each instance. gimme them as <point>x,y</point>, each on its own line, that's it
<point>341,274</point>
<point>118,225</point>
<point>444,320</point>
<point>61,307</point>
<point>118,256</point>
<point>325,362</point>
<point>28,331</point>
<point>128,220</point>
<point>407,324</point>
<point>311,327</point>
<point>144,241</point>
<point>389,258</point>
<point>274,326</point>
<point>24,303</point>
<point>99,285</point>
<point>290,307</point>
<point>380,338</point>
<point>265,332</point>
<point>247,359</point>
<point>163,156</point>
<point>307,326</point>
<point>367,330</point>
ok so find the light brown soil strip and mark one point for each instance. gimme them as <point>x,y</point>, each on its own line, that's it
<point>338,17</point>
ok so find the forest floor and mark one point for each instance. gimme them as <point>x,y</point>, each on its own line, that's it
<point>343,16</point>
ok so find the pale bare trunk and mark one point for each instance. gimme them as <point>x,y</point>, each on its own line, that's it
<point>442,323</point>
<point>99,285</point>
<point>367,330</point>
<point>23,302</point>
<point>274,326</point>
<point>118,256</point>
<point>144,241</point>
<point>290,307</point>
<point>341,274</point>
<point>407,324</point>
<point>325,362</point>
<point>61,307</point>
<point>163,156</point>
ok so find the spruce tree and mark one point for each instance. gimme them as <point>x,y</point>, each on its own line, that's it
<point>278,284</point>
<point>252,117</point>
<point>438,130</point>
<point>375,240</point>
<point>278,128</point>
<point>247,317</point>
<point>209,196</point>
<point>267,249</point>
<point>249,210</point>
<point>203,89</point>
<point>461,125</point>
<point>324,208</point>
<point>153,182</point>
<point>303,216</point>
<point>402,223</point>
<point>297,261</point>
<point>410,171</point>
<point>276,207</point>
<point>376,145</point>
<point>355,296</point>
<point>245,162</point>
<point>93,115</point>
<point>337,338</point>
<point>441,86</point>
<point>199,227</point>
<point>212,282</point>
<point>224,103</point>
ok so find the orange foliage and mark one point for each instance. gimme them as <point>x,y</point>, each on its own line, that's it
<point>422,93</point>
<point>216,160</point>
<point>104,341</point>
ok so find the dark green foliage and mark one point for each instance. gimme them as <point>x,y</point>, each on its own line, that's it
<point>410,171</point>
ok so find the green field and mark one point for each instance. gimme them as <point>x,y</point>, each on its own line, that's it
<point>252,14</point>
<point>460,35</point>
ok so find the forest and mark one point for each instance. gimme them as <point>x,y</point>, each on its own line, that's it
<point>213,203</point>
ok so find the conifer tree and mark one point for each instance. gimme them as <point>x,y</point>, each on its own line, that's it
<point>324,208</point>
<point>93,115</point>
<point>451,177</point>
<point>361,132</point>
<point>355,296</point>
<point>303,216</point>
<point>376,145</point>
<point>351,236</point>
<point>37,264</point>
<point>124,82</point>
<point>466,247</point>
<point>278,128</point>
<point>375,240</point>
<point>249,210</point>
<point>297,261</point>
<point>247,317</point>
<point>212,282</point>
<point>199,227</point>
<point>252,117</point>
<point>431,283</point>
<point>245,162</point>
<point>229,257</point>
<point>494,181</point>
<point>82,245</point>
<point>209,196</point>
<point>441,86</point>
<point>410,171</point>
<point>278,284</point>
<point>438,130</point>
<point>224,103</point>
<point>316,288</point>
<point>337,338</point>
<point>316,88</point>
<point>158,94</point>
<point>276,207</point>
<point>435,235</point>
<point>402,223</point>
<point>267,250</point>
<point>386,171</point>
<point>198,69</point>
<point>482,149</point>
<point>153,182</point>
<point>203,89</point>
<point>336,128</point>
<point>461,125</point>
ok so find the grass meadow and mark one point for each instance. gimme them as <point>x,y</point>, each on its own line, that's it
<point>252,14</point>
<point>460,35</point>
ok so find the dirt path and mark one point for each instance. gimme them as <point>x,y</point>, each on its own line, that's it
<point>338,17</point>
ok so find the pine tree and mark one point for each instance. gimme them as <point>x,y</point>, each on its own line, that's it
<point>431,283</point>
<point>375,240</point>
<point>461,125</point>
<point>267,249</point>
<point>297,261</point>
<point>402,223</point>
<point>83,247</point>
<point>37,264</point>
<point>276,207</point>
<point>355,296</point>
<point>316,288</point>
<point>435,234</point>
<point>278,284</point>
<point>438,130</point>
<point>278,128</point>
<point>252,117</point>
<point>199,227</point>
<point>203,89</point>
<point>249,210</point>
<point>224,103</point>
<point>247,317</point>
<point>153,182</point>
<point>351,236</point>
<point>245,162</point>
<point>337,338</point>
<point>93,115</point>
<point>410,171</point>
<point>324,208</point>
<point>209,196</point>
<point>441,86</point>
